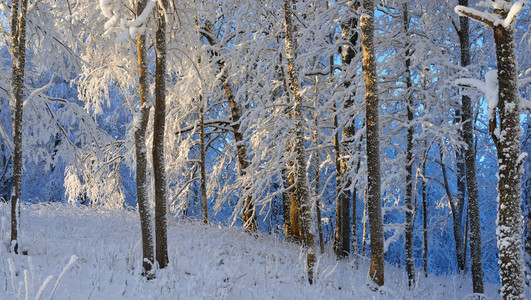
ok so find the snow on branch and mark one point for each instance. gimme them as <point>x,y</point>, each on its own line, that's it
<point>493,19</point>
<point>513,13</point>
<point>141,20</point>
<point>40,90</point>
<point>489,88</point>
<point>484,17</point>
<point>111,10</point>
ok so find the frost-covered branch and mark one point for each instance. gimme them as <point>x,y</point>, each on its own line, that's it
<point>493,19</point>
<point>483,17</point>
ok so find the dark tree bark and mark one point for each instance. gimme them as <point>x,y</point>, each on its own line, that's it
<point>459,203</point>
<point>159,165</point>
<point>527,201</point>
<point>142,182</point>
<point>470,167</point>
<point>202,161</point>
<point>19,9</point>
<point>374,202</point>
<point>506,135</point>
<point>508,146</point>
<point>408,200</point>
<point>301,194</point>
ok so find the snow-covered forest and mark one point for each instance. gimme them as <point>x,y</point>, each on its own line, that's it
<point>265,149</point>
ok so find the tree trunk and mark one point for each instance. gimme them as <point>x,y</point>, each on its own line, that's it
<point>424,219</point>
<point>249,217</point>
<point>470,168</point>
<point>202,160</point>
<point>509,186</point>
<point>455,208</point>
<point>317,173</point>
<point>506,136</point>
<point>142,182</point>
<point>343,227</point>
<point>459,202</point>
<point>527,202</point>
<point>364,218</point>
<point>19,11</point>
<point>286,203</point>
<point>301,185</point>
<point>408,200</point>
<point>159,165</point>
<point>374,202</point>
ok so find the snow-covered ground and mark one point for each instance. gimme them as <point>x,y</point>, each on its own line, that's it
<point>82,253</point>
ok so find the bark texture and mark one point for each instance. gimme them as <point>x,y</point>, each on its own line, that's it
<point>142,182</point>
<point>19,9</point>
<point>506,133</point>
<point>301,194</point>
<point>159,165</point>
<point>408,200</point>
<point>509,186</point>
<point>202,159</point>
<point>470,166</point>
<point>374,203</point>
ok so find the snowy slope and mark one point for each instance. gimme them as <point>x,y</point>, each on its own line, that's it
<point>206,262</point>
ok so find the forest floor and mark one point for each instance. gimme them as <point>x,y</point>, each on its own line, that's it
<point>83,253</point>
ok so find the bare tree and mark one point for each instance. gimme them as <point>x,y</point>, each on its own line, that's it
<point>19,10</point>
<point>344,194</point>
<point>470,165</point>
<point>408,200</point>
<point>506,135</point>
<point>159,165</point>
<point>301,193</point>
<point>374,202</point>
<point>249,212</point>
<point>142,182</point>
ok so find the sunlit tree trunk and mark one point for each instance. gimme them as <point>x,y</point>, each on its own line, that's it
<point>142,182</point>
<point>374,202</point>
<point>159,165</point>
<point>301,193</point>
<point>19,9</point>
